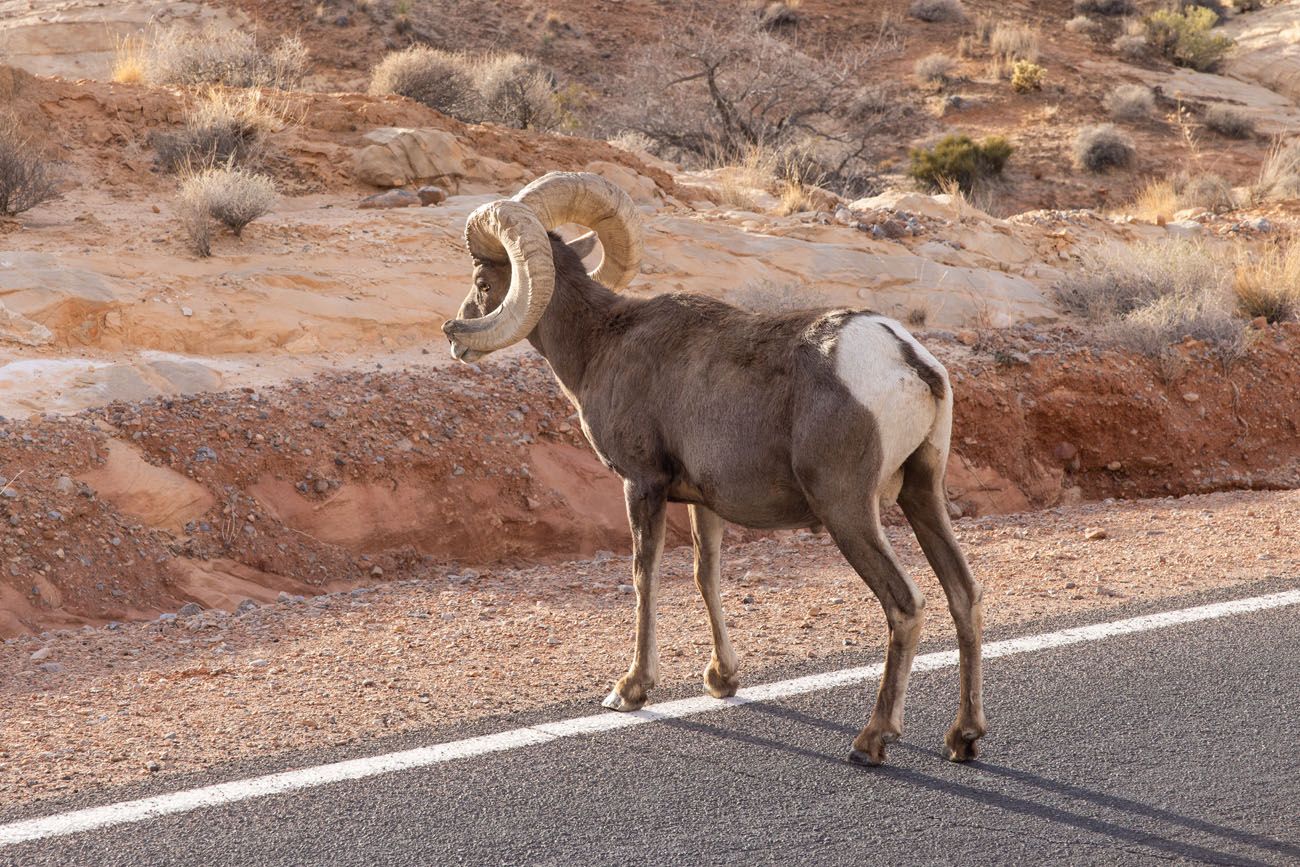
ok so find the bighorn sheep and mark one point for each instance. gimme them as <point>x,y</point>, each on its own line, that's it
<point>767,421</point>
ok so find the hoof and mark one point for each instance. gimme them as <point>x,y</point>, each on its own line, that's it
<point>963,744</point>
<point>614,701</point>
<point>718,686</point>
<point>858,757</point>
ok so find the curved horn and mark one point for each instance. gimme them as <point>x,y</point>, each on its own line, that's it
<point>590,200</point>
<point>510,229</point>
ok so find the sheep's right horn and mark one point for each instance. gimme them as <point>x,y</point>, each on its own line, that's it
<point>508,229</point>
<point>589,200</point>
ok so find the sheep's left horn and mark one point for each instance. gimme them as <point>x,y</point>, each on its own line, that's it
<point>589,200</point>
<point>511,230</point>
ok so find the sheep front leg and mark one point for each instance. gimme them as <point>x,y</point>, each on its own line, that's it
<point>646,509</point>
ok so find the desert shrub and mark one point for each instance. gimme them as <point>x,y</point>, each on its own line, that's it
<point>1026,76</point>
<point>1279,175</point>
<point>1114,279</point>
<point>1220,11</point>
<point>1130,102</point>
<point>1268,285</point>
<point>1131,47</point>
<point>771,296</point>
<point>516,92</point>
<point>934,69</point>
<point>1208,190</point>
<point>233,58</point>
<point>710,91</point>
<point>957,159</point>
<point>1149,295</point>
<point>777,14</point>
<point>1010,42</point>
<point>1084,26</point>
<point>225,128</point>
<point>1152,329</point>
<point>442,80</point>
<point>1103,7</point>
<point>937,10</point>
<point>1186,39</point>
<point>25,177</point>
<point>1156,202</point>
<point>231,196</point>
<point>1229,122</point>
<point>1102,146</point>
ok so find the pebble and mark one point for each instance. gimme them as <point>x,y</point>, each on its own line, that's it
<point>1094,534</point>
<point>245,606</point>
<point>625,588</point>
<point>43,653</point>
<point>51,668</point>
<point>391,199</point>
<point>430,195</point>
<point>189,609</point>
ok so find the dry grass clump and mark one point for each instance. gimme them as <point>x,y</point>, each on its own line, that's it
<point>503,88</point>
<point>1279,175</point>
<point>1131,47</point>
<point>233,197</point>
<point>1150,295</point>
<point>771,296</point>
<point>1099,147</point>
<point>934,69</point>
<point>226,127</point>
<point>1011,42</point>
<point>1156,202</point>
<point>130,60</point>
<point>232,58</point>
<point>1084,26</point>
<point>937,10</point>
<point>25,177</point>
<point>1208,191</point>
<point>1268,285</point>
<point>1229,122</point>
<point>1131,102</point>
<point>1103,7</point>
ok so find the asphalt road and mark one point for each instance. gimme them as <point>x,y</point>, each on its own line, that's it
<point>1180,744</point>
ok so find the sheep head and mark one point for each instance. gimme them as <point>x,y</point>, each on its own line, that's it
<point>514,271</point>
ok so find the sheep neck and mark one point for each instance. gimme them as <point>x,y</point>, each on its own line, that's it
<point>567,334</point>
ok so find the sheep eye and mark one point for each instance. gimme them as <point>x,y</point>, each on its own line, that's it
<point>481,284</point>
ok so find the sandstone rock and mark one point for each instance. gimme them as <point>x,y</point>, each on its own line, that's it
<point>1094,534</point>
<point>642,190</point>
<point>430,195</point>
<point>398,156</point>
<point>391,199</point>
<point>1185,229</point>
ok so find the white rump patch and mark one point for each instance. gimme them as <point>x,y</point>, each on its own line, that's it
<point>870,363</point>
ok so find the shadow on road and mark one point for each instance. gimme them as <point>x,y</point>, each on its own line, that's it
<point>985,787</point>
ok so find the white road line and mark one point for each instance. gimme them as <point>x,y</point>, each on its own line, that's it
<point>355,769</point>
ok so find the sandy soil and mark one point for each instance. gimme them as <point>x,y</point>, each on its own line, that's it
<point>96,706</point>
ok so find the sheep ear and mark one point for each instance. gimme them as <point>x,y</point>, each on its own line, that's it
<point>584,244</point>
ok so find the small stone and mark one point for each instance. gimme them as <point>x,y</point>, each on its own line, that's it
<point>153,766</point>
<point>391,199</point>
<point>189,609</point>
<point>1094,534</point>
<point>245,606</point>
<point>257,663</point>
<point>322,486</point>
<point>377,572</point>
<point>625,588</point>
<point>51,668</point>
<point>1191,396</point>
<point>431,195</point>
<point>1115,466</point>
<point>43,653</point>
<point>166,618</point>
<point>186,312</point>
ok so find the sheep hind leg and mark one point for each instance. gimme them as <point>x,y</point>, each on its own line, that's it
<point>720,679</point>
<point>863,543</point>
<point>924,503</point>
<point>647,508</point>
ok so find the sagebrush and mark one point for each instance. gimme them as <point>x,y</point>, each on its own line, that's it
<point>26,177</point>
<point>1131,102</point>
<point>223,128</point>
<point>1104,7</point>
<point>1103,146</point>
<point>232,58</point>
<point>1229,122</point>
<point>937,10</point>
<point>934,69</point>
<point>231,196</point>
